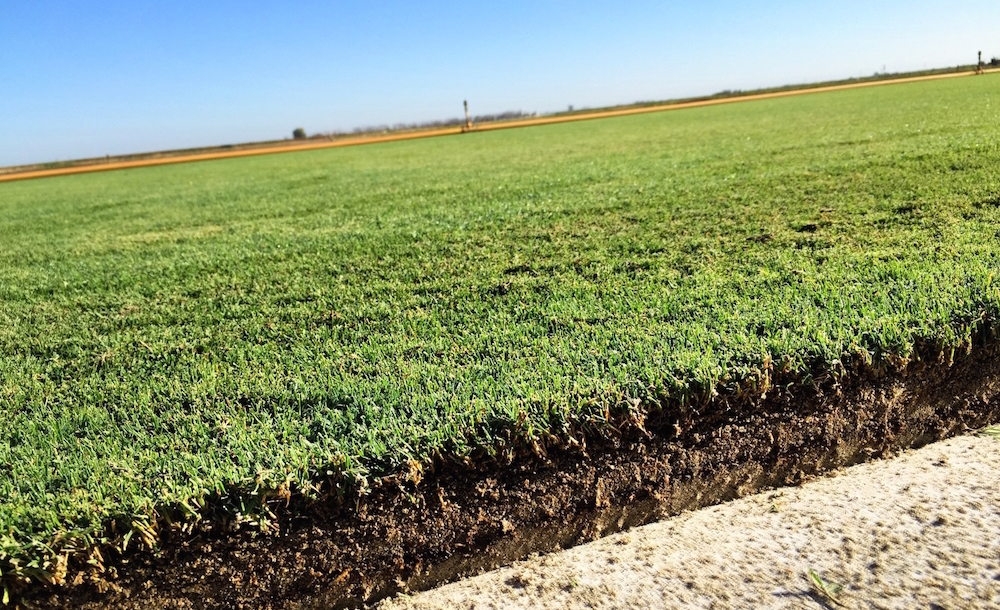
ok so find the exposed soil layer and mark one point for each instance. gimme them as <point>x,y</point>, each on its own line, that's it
<point>920,530</point>
<point>460,520</point>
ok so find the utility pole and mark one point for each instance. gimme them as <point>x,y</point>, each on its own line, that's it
<point>468,119</point>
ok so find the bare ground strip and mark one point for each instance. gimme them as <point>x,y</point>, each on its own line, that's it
<point>919,530</point>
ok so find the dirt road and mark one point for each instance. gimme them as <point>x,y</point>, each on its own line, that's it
<point>284,148</point>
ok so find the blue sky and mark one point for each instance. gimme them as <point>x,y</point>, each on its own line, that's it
<point>93,78</point>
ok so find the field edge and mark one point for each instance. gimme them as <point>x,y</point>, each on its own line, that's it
<point>411,533</point>
<point>85,166</point>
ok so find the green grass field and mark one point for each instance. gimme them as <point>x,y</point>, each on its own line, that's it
<point>171,333</point>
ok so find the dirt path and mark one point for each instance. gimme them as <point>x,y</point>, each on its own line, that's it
<point>431,133</point>
<point>918,531</point>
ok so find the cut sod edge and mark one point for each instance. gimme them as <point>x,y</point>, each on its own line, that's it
<point>435,522</point>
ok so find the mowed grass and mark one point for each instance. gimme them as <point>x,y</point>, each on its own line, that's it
<point>173,333</point>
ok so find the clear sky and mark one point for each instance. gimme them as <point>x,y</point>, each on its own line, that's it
<point>89,78</point>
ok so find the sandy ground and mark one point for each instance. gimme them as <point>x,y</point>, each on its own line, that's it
<point>918,531</point>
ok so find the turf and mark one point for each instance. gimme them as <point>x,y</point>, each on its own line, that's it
<point>173,333</point>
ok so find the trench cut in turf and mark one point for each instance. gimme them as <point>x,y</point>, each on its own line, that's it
<point>169,334</point>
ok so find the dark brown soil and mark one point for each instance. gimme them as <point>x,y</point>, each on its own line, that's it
<point>461,520</point>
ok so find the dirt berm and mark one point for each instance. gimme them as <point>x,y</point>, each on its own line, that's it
<point>462,519</point>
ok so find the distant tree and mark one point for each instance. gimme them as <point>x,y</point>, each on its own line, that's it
<point>995,61</point>
<point>299,133</point>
